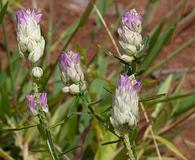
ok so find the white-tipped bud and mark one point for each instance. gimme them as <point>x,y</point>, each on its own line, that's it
<point>29,37</point>
<point>37,72</point>
<point>72,72</point>
<point>127,58</point>
<point>74,88</point>
<point>130,32</point>
<point>65,89</point>
<point>125,112</point>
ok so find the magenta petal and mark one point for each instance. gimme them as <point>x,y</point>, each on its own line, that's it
<point>130,18</point>
<point>75,58</point>
<point>65,61</point>
<point>23,15</point>
<point>43,99</point>
<point>31,102</point>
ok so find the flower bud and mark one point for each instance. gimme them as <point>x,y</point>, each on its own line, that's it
<point>132,20</point>
<point>72,72</point>
<point>29,37</point>
<point>125,104</point>
<point>66,89</point>
<point>37,72</point>
<point>126,58</point>
<point>74,88</point>
<point>129,32</point>
<point>32,104</point>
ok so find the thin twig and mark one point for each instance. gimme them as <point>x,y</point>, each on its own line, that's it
<point>151,131</point>
<point>108,31</point>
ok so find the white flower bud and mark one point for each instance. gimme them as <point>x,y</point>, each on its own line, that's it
<point>127,59</point>
<point>37,72</point>
<point>29,36</point>
<point>72,72</point>
<point>125,104</point>
<point>129,32</point>
<point>74,88</point>
<point>65,89</point>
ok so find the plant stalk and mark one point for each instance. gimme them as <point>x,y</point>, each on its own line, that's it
<point>43,125</point>
<point>128,146</point>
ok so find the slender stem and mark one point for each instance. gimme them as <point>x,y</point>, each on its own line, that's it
<point>5,155</point>
<point>51,145</point>
<point>44,126</point>
<point>128,146</point>
<point>151,131</point>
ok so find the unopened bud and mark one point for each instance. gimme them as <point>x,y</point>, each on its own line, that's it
<point>37,72</point>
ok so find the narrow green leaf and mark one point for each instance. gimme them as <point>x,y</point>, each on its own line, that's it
<point>152,98</point>
<point>165,36</point>
<point>171,146</point>
<point>69,150</point>
<point>4,102</point>
<point>171,55</point>
<point>2,12</point>
<point>186,104</point>
<point>111,142</point>
<point>172,98</point>
<point>5,155</point>
<point>155,35</point>
<point>164,88</point>
<point>18,129</point>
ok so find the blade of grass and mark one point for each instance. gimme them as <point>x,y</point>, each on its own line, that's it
<point>164,89</point>
<point>18,129</point>
<point>172,98</point>
<point>186,104</point>
<point>171,55</point>
<point>5,155</point>
<point>150,10</point>
<point>151,131</point>
<point>3,11</point>
<point>171,146</point>
<point>165,36</point>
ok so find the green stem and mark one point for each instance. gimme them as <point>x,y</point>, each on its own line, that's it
<point>44,126</point>
<point>5,155</point>
<point>128,146</point>
<point>51,145</point>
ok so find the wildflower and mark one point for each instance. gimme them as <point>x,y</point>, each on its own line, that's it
<point>30,40</point>
<point>130,32</point>
<point>37,72</point>
<point>72,72</point>
<point>32,103</point>
<point>125,104</point>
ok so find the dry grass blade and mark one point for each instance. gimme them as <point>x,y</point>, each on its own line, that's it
<point>107,30</point>
<point>151,131</point>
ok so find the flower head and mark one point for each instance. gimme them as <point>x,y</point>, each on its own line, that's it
<point>23,16</point>
<point>132,20</point>
<point>130,33</point>
<point>72,72</point>
<point>68,59</point>
<point>32,104</point>
<point>125,104</point>
<point>30,40</point>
